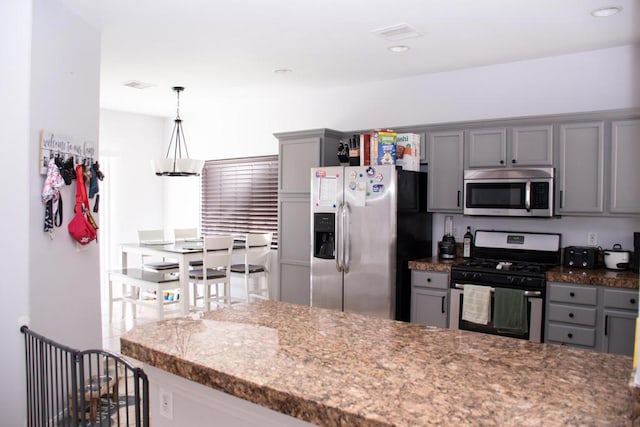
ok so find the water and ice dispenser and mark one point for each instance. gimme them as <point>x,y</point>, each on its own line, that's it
<point>324,227</point>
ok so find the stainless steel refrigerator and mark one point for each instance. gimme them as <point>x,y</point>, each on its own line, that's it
<point>366,222</point>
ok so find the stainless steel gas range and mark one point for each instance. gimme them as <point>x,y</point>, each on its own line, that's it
<point>512,266</point>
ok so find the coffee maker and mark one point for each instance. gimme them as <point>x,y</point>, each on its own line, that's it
<point>447,247</point>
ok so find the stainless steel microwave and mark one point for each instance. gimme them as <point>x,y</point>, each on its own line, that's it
<point>509,192</point>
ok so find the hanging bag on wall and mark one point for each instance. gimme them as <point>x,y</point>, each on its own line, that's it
<point>82,227</point>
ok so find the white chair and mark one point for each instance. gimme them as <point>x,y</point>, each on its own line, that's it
<point>151,237</point>
<point>216,260</point>
<point>182,234</point>
<point>256,264</point>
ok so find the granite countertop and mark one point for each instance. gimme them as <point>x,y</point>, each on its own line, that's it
<point>600,277</point>
<point>333,368</point>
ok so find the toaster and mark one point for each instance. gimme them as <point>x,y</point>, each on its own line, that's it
<point>582,257</point>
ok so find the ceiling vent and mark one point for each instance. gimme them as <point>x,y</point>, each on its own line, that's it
<point>397,32</point>
<point>137,85</point>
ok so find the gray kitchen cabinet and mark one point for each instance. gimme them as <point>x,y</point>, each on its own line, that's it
<point>486,148</point>
<point>620,309</point>
<point>298,153</point>
<point>579,187</point>
<point>625,173</point>
<point>520,146</point>
<point>530,146</point>
<point>571,315</point>
<point>445,171</point>
<point>430,298</point>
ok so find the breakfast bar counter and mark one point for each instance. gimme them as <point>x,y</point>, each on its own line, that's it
<point>333,368</point>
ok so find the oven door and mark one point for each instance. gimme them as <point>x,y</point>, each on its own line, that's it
<point>534,311</point>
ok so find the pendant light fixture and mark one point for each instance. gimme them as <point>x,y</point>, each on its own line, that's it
<point>177,165</point>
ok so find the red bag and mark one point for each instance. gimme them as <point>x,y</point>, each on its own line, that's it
<point>82,227</point>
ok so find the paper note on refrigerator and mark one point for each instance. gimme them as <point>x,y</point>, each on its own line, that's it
<point>327,190</point>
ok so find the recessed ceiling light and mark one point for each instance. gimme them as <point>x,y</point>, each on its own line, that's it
<point>606,11</point>
<point>398,48</point>
<point>282,71</point>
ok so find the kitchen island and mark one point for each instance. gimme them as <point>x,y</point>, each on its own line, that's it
<point>333,368</point>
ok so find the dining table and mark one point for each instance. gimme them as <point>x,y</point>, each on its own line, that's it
<point>184,252</point>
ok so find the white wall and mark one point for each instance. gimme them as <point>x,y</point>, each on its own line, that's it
<point>49,79</point>
<point>14,227</point>
<point>65,89</point>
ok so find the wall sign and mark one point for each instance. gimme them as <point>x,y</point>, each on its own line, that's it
<point>53,145</point>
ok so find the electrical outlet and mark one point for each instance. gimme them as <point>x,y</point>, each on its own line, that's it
<point>166,403</point>
<point>592,238</point>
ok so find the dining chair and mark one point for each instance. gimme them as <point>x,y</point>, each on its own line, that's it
<point>256,264</point>
<point>216,262</point>
<point>184,234</point>
<point>154,237</point>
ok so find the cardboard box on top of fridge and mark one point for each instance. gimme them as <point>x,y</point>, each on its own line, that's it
<point>408,151</point>
<point>385,148</point>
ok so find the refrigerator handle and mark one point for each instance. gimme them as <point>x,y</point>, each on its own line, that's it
<point>346,237</point>
<point>339,237</point>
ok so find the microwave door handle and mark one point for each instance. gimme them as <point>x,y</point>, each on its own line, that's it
<point>527,196</point>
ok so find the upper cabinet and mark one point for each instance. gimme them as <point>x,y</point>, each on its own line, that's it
<point>301,151</point>
<point>625,171</point>
<point>513,147</point>
<point>581,169</point>
<point>445,171</point>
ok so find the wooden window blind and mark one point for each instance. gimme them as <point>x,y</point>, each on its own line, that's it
<point>240,196</point>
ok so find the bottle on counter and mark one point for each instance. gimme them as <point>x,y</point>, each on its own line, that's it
<point>467,243</point>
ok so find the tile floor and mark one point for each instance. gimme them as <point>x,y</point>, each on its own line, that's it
<point>111,332</point>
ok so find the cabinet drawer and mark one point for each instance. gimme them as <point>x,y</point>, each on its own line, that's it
<point>573,294</point>
<point>572,314</point>
<point>426,279</point>
<point>572,335</point>
<point>616,298</point>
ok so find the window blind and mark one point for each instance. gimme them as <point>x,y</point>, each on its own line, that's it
<point>240,196</point>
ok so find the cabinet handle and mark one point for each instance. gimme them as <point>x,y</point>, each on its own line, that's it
<point>632,301</point>
<point>571,294</point>
<point>561,199</point>
<point>606,325</point>
<point>428,279</point>
<point>443,298</point>
<point>502,162</point>
<point>570,335</point>
<point>458,198</point>
<point>513,160</point>
<point>571,315</point>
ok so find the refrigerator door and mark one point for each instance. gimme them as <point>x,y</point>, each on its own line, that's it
<point>370,198</point>
<point>326,198</point>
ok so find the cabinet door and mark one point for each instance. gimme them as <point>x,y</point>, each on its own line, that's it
<point>625,170</point>
<point>296,158</point>
<point>487,148</point>
<point>445,172</point>
<point>429,307</point>
<point>531,146</point>
<point>294,249</point>
<point>581,158</point>
<point>619,332</point>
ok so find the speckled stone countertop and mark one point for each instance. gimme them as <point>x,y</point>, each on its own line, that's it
<point>600,277</point>
<point>332,368</point>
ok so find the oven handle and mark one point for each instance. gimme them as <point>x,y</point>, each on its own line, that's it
<point>526,293</point>
<point>527,197</point>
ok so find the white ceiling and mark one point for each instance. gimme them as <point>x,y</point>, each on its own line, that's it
<point>219,49</point>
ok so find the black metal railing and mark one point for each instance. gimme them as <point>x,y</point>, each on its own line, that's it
<point>69,387</point>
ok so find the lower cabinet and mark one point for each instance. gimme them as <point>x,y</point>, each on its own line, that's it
<point>430,298</point>
<point>591,317</point>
